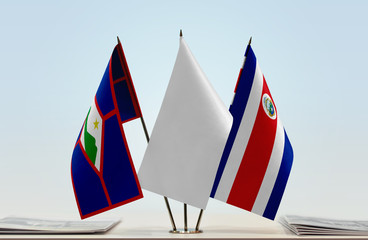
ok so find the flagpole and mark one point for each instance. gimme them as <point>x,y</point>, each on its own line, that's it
<point>250,41</point>
<point>241,70</point>
<point>185,205</point>
<point>199,220</point>
<point>185,218</point>
<point>145,129</point>
<point>147,138</point>
<point>165,198</point>
<point>170,213</point>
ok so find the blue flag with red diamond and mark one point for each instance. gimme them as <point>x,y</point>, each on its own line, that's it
<point>103,174</point>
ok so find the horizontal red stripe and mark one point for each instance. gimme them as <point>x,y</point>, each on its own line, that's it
<point>119,80</point>
<point>255,159</point>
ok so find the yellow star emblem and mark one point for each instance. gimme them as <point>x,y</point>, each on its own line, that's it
<point>96,124</point>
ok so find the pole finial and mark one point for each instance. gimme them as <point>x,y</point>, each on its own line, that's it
<point>181,33</point>
<point>118,39</point>
<point>250,41</point>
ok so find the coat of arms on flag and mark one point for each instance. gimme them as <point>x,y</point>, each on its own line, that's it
<point>102,169</point>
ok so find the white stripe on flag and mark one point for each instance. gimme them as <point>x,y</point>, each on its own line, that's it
<point>242,137</point>
<point>273,167</point>
<point>82,136</point>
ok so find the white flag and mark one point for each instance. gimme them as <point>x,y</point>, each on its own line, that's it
<point>188,138</point>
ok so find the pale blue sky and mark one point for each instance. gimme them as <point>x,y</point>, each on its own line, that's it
<point>312,53</point>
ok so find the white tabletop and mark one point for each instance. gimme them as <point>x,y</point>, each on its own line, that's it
<point>214,226</point>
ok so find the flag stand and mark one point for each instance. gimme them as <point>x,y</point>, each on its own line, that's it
<point>186,230</point>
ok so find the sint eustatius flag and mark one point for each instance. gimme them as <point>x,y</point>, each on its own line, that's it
<point>103,174</point>
<point>257,158</point>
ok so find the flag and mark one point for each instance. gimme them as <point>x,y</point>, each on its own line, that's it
<point>102,169</point>
<point>257,159</point>
<point>188,137</point>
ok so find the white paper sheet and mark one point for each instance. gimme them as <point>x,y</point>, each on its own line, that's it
<point>37,226</point>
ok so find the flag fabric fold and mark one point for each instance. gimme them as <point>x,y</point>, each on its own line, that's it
<point>102,170</point>
<point>257,158</point>
<point>188,138</point>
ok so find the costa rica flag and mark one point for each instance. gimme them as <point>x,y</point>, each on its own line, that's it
<point>102,170</point>
<point>258,156</point>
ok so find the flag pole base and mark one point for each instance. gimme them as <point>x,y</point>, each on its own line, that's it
<point>182,231</point>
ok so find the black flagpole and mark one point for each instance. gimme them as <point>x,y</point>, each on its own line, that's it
<point>245,58</point>
<point>185,218</point>
<point>147,138</point>
<point>250,41</point>
<point>165,198</point>
<point>185,205</point>
<point>199,220</point>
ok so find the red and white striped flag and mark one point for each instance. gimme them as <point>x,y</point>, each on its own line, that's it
<point>257,158</point>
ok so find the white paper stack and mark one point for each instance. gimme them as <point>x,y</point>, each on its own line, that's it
<point>321,226</point>
<point>43,226</point>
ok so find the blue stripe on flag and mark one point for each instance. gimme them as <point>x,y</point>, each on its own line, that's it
<point>124,100</point>
<point>104,95</point>
<point>117,170</point>
<point>237,110</point>
<point>87,185</point>
<point>281,180</point>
